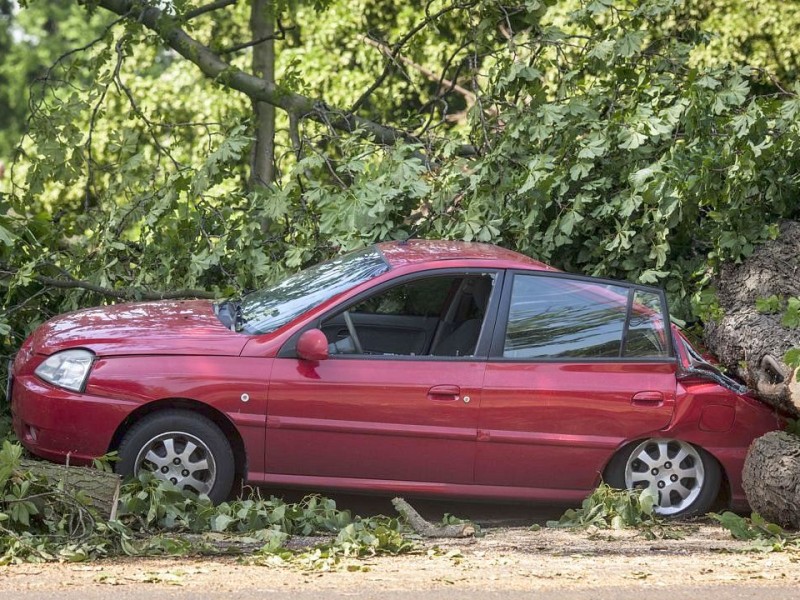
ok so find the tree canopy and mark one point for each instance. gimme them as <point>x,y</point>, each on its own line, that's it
<point>642,139</point>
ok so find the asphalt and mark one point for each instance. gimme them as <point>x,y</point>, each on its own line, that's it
<point>637,592</point>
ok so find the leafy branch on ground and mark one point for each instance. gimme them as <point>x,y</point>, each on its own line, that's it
<point>42,521</point>
<point>763,535</point>
<point>610,508</point>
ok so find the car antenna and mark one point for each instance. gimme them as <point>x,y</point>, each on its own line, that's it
<point>409,237</point>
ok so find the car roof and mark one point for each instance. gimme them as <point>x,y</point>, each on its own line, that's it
<point>409,252</point>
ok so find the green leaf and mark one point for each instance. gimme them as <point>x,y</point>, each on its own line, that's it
<point>738,526</point>
<point>769,305</point>
<point>791,316</point>
<point>630,43</point>
<point>221,522</point>
<point>792,358</point>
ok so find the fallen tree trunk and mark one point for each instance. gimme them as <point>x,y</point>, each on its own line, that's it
<point>771,478</point>
<point>100,488</point>
<point>751,343</point>
<point>751,338</point>
<point>426,528</point>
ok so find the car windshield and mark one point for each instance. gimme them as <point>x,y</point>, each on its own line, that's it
<point>266,310</point>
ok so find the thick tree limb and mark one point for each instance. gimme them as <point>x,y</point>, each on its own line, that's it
<point>171,32</point>
<point>262,25</point>
<point>771,478</point>
<point>100,488</point>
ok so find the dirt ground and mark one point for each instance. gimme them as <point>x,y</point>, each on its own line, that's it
<point>504,558</point>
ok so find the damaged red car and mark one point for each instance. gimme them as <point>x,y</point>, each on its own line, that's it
<point>421,368</point>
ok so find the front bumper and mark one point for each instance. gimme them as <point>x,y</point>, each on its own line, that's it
<point>61,425</point>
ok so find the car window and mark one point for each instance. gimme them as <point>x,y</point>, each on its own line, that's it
<point>552,317</point>
<point>428,316</point>
<point>421,298</point>
<point>646,336</point>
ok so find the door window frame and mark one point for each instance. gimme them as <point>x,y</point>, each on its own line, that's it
<point>488,328</point>
<point>497,345</point>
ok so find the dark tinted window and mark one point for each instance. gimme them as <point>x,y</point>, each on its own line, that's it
<point>552,317</point>
<point>420,298</point>
<point>430,316</point>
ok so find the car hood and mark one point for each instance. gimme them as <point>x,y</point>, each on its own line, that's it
<point>166,327</point>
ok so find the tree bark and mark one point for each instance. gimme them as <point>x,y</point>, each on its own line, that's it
<point>101,488</point>
<point>262,26</point>
<point>771,478</point>
<point>752,344</point>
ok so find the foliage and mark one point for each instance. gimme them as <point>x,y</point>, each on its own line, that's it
<point>760,33</point>
<point>610,508</point>
<point>6,427</point>
<point>152,506</point>
<point>765,536</point>
<point>40,521</point>
<point>792,358</point>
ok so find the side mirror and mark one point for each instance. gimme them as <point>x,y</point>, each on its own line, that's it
<point>312,345</point>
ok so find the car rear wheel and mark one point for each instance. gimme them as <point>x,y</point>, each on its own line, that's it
<point>181,447</point>
<point>684,479</point>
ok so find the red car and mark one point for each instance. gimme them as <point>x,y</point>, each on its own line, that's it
<point>420,368</point>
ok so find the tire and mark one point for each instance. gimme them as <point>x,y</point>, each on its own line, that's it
<point>182,447</point>
<point>684,488</point>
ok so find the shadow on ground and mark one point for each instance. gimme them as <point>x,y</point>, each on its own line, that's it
<point>486,514</point>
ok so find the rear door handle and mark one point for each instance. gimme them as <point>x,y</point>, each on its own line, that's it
<point>650,399</point>
<point>444,393</point>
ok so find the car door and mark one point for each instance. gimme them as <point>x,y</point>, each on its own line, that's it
<point>577,367</point>
<point>404,405</point>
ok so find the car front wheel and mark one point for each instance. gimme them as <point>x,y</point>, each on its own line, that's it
<point>684,479</point>
<point>181,447</point>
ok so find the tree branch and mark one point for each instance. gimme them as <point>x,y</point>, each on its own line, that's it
<point>170,31</point>
<point>118,294</point>
<point>442,82</point>
<point>281,35</point>
<point>201,10</point>
<point>122,293</point>
<point>399,46</point>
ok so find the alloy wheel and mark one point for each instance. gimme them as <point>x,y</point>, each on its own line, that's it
<point>672,470</point>
<point>181,458</point>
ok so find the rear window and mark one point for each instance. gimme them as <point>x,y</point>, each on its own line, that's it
<point>553,317</point>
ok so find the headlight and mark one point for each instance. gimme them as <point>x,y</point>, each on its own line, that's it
<point>67,369</point>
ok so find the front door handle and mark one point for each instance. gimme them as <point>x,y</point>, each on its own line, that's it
<point>444,393</point>
<point>648,399</point>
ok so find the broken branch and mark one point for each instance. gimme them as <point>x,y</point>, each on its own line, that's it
<point>428,529</point>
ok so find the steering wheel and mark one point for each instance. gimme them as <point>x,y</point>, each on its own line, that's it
<point>352,331</point>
